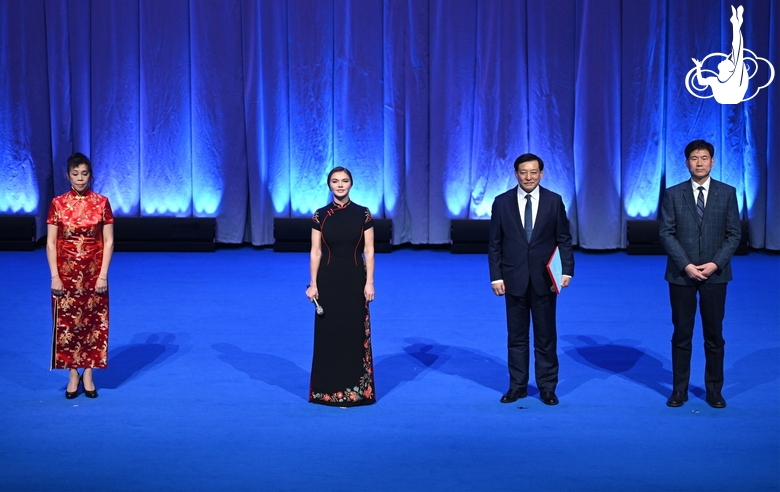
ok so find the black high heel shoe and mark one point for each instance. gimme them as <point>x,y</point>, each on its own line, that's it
<point>73,394</point>
<point>88,394</point>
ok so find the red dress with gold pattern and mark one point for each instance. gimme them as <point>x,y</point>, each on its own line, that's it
<point>80,328</point>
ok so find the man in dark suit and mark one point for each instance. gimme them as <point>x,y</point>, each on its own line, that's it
<point>527,223</point>
<point>700,231</point>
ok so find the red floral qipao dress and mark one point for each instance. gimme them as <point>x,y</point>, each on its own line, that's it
<point>342,369</point>
<point>80,328</point>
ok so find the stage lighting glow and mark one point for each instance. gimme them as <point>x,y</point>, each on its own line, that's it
<point>457,199</point>
<point>280,197</point>
<point>640,207</point>
<point>369,199</point>
<point>18,201</point>
<point>173,205</point>
<point>19,188</point>
<point>207,203</point>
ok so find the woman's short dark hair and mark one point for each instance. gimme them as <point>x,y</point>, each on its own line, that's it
<point>528,158</point>
<point>78,159</point>
<point>339,169</point>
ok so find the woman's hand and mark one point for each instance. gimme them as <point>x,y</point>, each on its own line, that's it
<point>57,289</point>
<point>312,292</point>
<point>101,287</point>
<point>368,291</point>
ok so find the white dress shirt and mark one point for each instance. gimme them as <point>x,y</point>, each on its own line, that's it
<point>521,200</point>
<point>706,190</point>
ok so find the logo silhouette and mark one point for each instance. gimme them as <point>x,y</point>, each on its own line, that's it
<point>731,82</point>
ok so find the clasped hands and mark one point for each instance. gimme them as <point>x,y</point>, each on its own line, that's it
<point>700,272</point>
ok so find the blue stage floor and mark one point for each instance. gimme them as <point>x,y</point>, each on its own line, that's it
<point>209,369</point>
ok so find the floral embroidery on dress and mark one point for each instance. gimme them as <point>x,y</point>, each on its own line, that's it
<point>365,387</point>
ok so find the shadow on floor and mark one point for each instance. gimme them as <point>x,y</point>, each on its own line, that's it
<point>422,354</point>
<point>130,361</point>
<point>270,369</point>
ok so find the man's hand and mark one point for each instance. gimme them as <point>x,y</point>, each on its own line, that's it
<point>498,288</point>
<point>695,273</point>
<point>565,281</point>
<point>707,269</point>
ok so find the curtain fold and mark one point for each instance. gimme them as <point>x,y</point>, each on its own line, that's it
<point>771,186</point>
<point>25,128</point>
<point>500,121</point>
<point>597,161</point>
<point>452,62</point>
<point>237,109</point>
<point>61,114</point>
<point>266,115</point>
<point>220,185</point>
<point>642,107</point>
<point>551,58</point>
<point>166,145</point>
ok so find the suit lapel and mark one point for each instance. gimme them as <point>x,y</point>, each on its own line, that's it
<point>541,212</point>
<point>690,200</point>
<point>515,213</point>
<point>712,200</point>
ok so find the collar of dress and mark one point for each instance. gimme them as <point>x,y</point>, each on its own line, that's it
<point>80,196</point>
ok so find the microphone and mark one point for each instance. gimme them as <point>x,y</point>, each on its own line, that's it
<point>320,311</point>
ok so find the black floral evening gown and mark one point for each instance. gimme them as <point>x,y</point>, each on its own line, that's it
<point>342,372</point>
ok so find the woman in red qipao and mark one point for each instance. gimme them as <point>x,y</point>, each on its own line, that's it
<point>342,280</point>
<point>79,246</point>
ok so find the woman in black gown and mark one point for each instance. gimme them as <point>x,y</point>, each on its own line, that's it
<point>342,281</point>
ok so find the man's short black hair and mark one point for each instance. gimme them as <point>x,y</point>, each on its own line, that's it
<point>528,158</point>
<point>699,145</point>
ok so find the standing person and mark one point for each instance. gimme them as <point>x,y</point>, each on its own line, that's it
<point>79,246</point>
<point>700,231</point>
<point>342,281</point>
<point>526,225</point>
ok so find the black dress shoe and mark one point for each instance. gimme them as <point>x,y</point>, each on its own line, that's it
<point>73,394</point>
<point>677,399</point>
<point>548,398</point>
<point>716,400</point>
<point>514,395</point>
<point>87,393</point>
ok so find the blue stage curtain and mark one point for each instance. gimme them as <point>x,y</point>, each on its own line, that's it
<point>237,109</point>
<point>114,103</point>
<point>266,102</point>
<point>25,142</point>
<point>769,186</point>
<point>552,30</point>
<point>167,132</point>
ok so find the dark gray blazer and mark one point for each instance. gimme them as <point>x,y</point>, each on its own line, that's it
<point>686,242</point>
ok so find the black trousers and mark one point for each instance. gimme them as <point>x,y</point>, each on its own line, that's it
<point>712,306</point>
<point>520,310</point>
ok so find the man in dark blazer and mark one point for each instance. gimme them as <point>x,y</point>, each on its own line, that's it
<point>526,225</point>
<point>700,231</point>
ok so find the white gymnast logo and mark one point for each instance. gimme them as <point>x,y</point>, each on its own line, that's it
<point>730,84</point>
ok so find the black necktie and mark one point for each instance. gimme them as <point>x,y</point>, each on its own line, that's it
<point>529,218</point>
<point>700,205</point>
